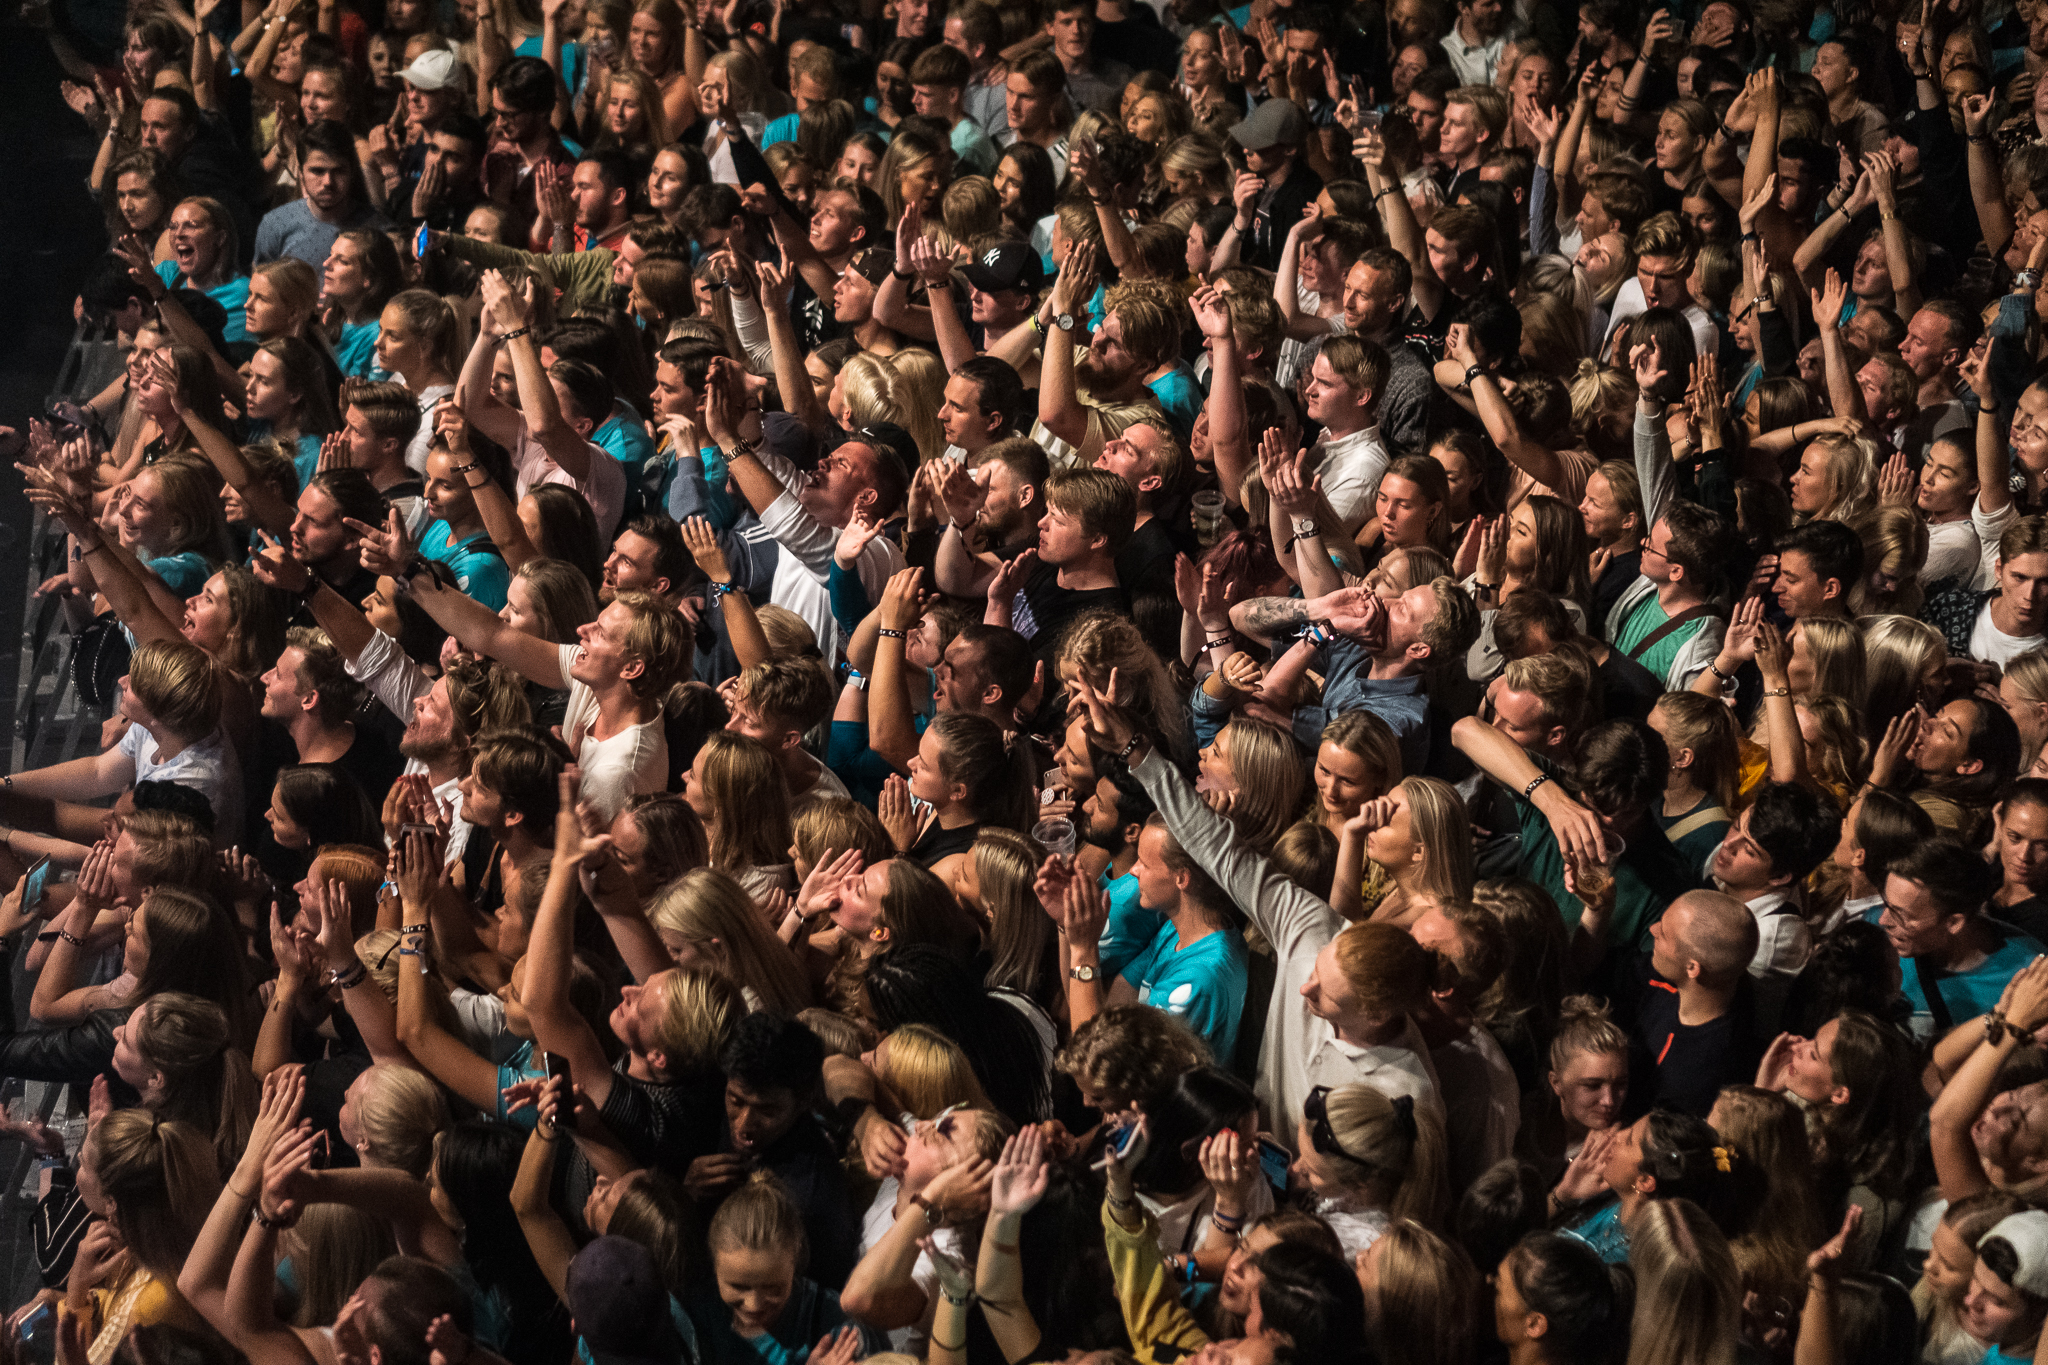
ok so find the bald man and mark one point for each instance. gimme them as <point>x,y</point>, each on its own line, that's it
<point>1688,1006</point>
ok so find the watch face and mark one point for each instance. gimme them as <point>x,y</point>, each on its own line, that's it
<point>1065,322</point>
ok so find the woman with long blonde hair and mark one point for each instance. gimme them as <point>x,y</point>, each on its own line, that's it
<point>1905,664</point>
<point>1688,1288</point>
<point>705,918</point>
<point>1425,1288</point>
<point>1418,838</point>
<point>1836,479</point>
<point>633,116</point>
<point>1098,643</point>
<point>996,880</point>
<point>737,789</point>
<point>864,393</point>
<point>655,44</point>
<point>1357,760</point>
<point>910,174</point>
<point>1255,769</point>
<point>2023,691</point>
<point>1370,1159</point>
<point>919,388</point>
<point>1700,793</point>
<point>1894,554</point>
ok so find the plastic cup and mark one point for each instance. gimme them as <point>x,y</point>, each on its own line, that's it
<point>1057,837</point>
<point>1208,510</point>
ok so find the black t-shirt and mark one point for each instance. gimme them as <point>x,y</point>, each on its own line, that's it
<point>1045,608</point>
<point>1621,572</point>
<point>1145,564</point>
<point>359,584</point>
<point>1276,213</point>
<point>938,843</point>
<point>1629,689</point>
<point>1683,1066</point>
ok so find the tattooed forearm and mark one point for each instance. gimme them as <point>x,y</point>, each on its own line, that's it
<point>1267,617</point>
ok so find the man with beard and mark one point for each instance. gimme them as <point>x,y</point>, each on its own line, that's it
<point>805,512</point>
<point>322,540</point>
<point>1131,342</point>
<point>522,98</point>
<point>331,200</point>
<point>202,152</point>
<point>592,208</point>
<point>1110,820</point>
<point>993,503</point>
<point>648,557</point>
<point>1475,41</point>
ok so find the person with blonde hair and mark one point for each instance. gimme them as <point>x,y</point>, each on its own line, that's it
<point>154,1182</point>
<point>390,1116</point>
<point>925,1072</point>
<point>996,881</point>
<point>634,117</point>
<point>171,696</point>
<point>1584,1090</point>
<point>1894,554</point>
<point>1256,768</point>
<point>1905,664</point>
<point>1418,838</point>
<point>1688,1307</point>
<point>2023,691</point>
<point>1836,479</point>
<point>1357,760</point>
<point>1424,1287</point>
<point>1101,642</point>
<point>918,384</point>
<point>1700,794</point>
<point>705,918</point>
<point>1369,1160</point>
<point>736,787</point>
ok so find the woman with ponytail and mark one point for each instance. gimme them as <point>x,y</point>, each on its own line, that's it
<point>419,343</point>
<point>1370,1160</point>
<point>180,1054</point>
<point>152,1182</point>
<point>972,774</point>
<point>1556,1303</point>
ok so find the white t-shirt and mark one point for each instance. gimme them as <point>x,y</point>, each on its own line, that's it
<point>806,558</point>
<point>397,682</point>
<point>604,488</point>
<point>208,767</point>
<point>1990,645</point>
<point>431,398</point>
<point>1351,467</point>
<point>1953,553</point>
<point>633,761</point>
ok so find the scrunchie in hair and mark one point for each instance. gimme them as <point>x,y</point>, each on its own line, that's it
<point>1404,1115</point>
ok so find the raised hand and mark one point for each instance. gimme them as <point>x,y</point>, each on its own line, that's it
<point>1010,578</point>
<point>1828,301</point>
<point>702,543</point>
<point>820,891</point>
<point>1022,1176</point>
<point>860,531</point>
<point>1773,655</point>
<point>897,815</point>
<point>1493,549</point>
<point>1583,1179</point>
<point>1753,206</point>
<point>1899,736</point>
<point>1232,1168</point>
<point>1647,360</point>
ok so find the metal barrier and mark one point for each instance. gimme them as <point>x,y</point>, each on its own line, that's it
<point>50,724</point>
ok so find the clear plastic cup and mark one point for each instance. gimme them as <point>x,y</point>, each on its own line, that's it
<point>1057,837</point>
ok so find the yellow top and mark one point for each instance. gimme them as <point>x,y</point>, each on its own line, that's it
<point>1161,1329</point>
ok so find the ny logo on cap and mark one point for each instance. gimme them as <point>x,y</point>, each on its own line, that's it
<point>990,259</point>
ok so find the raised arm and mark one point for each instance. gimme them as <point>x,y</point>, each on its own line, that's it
<point>1987,179</point>
<point>1294,323</point>
<point>499,421</point>
<point>539,409</point>
<point>1845,395</point>
<point>1505,761</point>
<point>551,956</point>
<point>1020,1180</point>
<point>891,731</point>
<point>742,625</point>
<point>2023,1008</point>
<point>892,305</point>
<point>1059,402</point>
<point>444,1056</point>
<point>204,1278</point>
<point>500,514</point>
<point>476,626</point>
<point>1994,456</point>
<point>547,1236</point>
<point>935,268</point>
<point>1228,440</point>
<point>792,380</point>
<point>1403,232</point>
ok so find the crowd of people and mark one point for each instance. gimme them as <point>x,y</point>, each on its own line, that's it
<point>823,680</point>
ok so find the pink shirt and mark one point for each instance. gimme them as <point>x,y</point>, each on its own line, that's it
<point>604,489</point>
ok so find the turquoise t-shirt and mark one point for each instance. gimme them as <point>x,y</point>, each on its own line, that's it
<point>480,571</point>
<point>624,440</point>
<point>780,130</point>
<point>1131,927</point>
<point>184,573</point>
<point>1180,394</point>
<point>356,352</point>
<point>233,296</point>
<point>1971,993</point>
<point>305,451</point>
<point>1604,1234</point>
<point>1203,985</point>
<point>811,1312</point>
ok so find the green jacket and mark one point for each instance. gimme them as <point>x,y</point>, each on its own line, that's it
<point>584,277</point>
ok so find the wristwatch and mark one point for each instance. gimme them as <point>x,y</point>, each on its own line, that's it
<point>1305,526</point>
<point>1084,972</point>
<point>1065,322</point>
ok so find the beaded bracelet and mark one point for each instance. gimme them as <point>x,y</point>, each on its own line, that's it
<point>888,634</point>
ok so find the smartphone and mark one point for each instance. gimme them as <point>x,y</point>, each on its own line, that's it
<point>37,1335</point>
<point>420,243</point>
<point>1274,1162</point>
<point>556,1064</point>
<point>35,884</point>
<point>413,828</point>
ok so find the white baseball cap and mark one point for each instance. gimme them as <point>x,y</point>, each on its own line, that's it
<point>2027,1234</point>
<point>435,69</point>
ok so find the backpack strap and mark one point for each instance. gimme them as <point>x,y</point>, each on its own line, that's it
<point>1686,617</point>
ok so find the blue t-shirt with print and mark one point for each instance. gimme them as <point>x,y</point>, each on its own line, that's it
<point>356,352</point>
<point>1130,928</point>
<point>625,440</point>
<point>1603,1232</point>
<point>1203,985</point>
<point>480,571</point>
